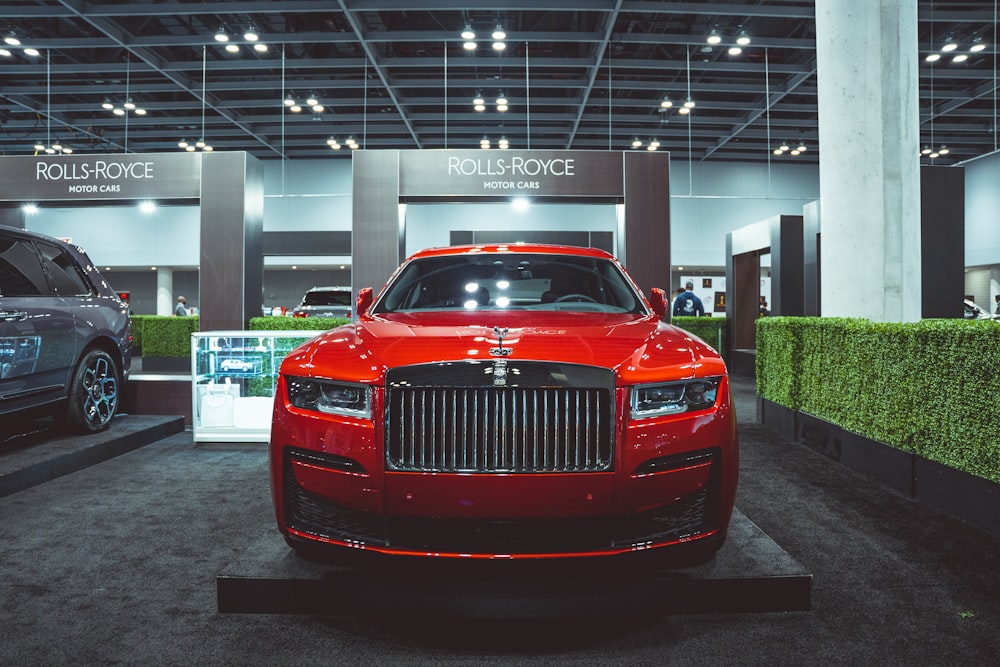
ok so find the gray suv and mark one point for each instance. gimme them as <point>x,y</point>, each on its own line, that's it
<point>65,336</point>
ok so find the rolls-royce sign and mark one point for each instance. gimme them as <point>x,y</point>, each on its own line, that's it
<point>491,173</point>
<point>72,177</point>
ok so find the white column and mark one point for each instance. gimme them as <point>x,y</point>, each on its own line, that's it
<point>869,140</point>
<point>165,291</point>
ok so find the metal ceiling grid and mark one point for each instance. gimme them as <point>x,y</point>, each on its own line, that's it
<point>394,74</point>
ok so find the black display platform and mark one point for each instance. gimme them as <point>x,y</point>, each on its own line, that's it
<point>36,452</point>
<point>751,573</point>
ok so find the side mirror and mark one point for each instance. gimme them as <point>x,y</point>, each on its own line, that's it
<point>658,300</point>
<point>364,302</point>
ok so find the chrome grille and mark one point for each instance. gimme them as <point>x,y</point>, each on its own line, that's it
<point>499,430</point>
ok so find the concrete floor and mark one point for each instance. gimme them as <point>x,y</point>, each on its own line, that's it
<point>117,564</point>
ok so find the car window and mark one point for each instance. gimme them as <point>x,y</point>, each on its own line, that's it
<point>21,272</point>
<point>327,298</point>
<point>62,271</point>
<point>511,281</point>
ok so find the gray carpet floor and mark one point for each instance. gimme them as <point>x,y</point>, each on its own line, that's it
<point>116,564</point>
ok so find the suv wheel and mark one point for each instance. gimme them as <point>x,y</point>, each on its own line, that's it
<point>93,397</point>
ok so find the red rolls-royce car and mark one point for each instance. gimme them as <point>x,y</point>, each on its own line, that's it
<point>505,402</point>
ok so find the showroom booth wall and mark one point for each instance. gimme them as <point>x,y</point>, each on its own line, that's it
<point>314,196</point>
<point>305,197</point>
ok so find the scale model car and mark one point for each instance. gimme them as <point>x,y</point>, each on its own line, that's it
<point>236,365</point>
<point>505,402</point>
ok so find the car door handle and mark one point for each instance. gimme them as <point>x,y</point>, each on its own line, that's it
<point>13,315</point>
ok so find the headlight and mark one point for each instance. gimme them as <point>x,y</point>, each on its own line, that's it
<point>335,398</point>
<point>655,400</point>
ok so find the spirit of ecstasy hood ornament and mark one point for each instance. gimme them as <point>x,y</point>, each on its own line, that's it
<point>500,350</point>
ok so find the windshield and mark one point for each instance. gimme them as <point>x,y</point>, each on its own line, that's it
<point>511,282</point>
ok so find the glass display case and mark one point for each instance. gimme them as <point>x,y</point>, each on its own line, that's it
<point>233,375</point>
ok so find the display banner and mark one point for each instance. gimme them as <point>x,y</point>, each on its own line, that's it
<point>107,176</point>
<point>493,173</point>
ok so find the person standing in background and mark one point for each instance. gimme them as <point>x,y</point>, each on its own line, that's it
<point>687,303</point>
<point>180,310</point>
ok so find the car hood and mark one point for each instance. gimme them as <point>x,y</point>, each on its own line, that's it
<point>639,348</point>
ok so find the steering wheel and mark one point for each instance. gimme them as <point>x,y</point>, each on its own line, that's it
<point>576,297</point>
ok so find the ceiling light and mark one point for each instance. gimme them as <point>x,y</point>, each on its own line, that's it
<point>502,107</point>
<point>182,143</point>
<point>57,146</point>
<point>666,103</point>
<point>654,143</point>
<point>714,37</point>
<point>801,148</point>
<point>106,104</point>
<point>318,108</point>
<point>479,107</point>
<point>39,146</point>
<point>207,148</point>
<point>295,108</point>
<point>960,58</point>
<point>469,46</point>
<point>499,46</point>
<point>501,100</point>
<point>289,101</point>
<point>468,33</point>
<point>933,155</point>
<point>743,39</point>
<point>734,51</point>
<point>684,111</point>
<point>67,150</point>
<point>5,53</point>
<point>795,152</point>
<point>351,142</point>
<point>312,100</point>
<point>260,47</point>
<point>499,34</point>
<point>944,150</point>
<point>31,52</point>
<point>926,150</point>
<point>251,35</point>
<point>200,143</point>
<point>949,46</point>
<point>637,142</point>
<point>977,45</point>
<point>221,36</point>
<point>933,57</point>
<point>118,111</point>
<point>689,103</point>
<point>140,111</point>
<point>50,151</point>
<point>232,48</point>
<point>777,151</point>
<point>189,148</point>
<point>478,99</point>
<point>12,39</point>
<point>783,147</point>
<point>129,104</point>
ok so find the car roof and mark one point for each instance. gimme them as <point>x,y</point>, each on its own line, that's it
<point>510,248</point>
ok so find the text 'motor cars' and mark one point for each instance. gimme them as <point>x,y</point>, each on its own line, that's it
<point>505,402</point>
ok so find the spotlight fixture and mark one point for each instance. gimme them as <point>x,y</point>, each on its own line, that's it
<point>743,39</point>
<point>714,37</point>
<point>499,46</point>
<point>11,39</point>
<point>312,100</point>
<point>949,45</point>
<point>251,35</point>
<point>289,100</point>
<point>182,143</point>
<point>467,33</point>
<point>129,104</point>
<point>503,144</point>
<point>735,50</point>
<point>260,47</point>
<point>960,58</point>
<point>666,103</point>
<point>295,108</point>
<point>107,105</point>
<point>118,111</point>
<point>333,143</point>
<point>222,35</point>
<point>5,53</point>
<point>636,142</point>
<point>933,57</point>
<point>801,148</point>
<point>232,48</point>
<point>689,103</point>
<point>318,108</point>
<point>34,53</point>
<point>499,35</point>
<point>501,103</point>
<point>469,46</point>
<point>977,45</point>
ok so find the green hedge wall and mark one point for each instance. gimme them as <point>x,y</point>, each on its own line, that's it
<point>296,323</point>
<point>163,336</point>
<point>709,329</point>
<point>929,387</point>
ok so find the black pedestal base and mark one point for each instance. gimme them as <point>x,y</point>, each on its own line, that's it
<point>751,573</point>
